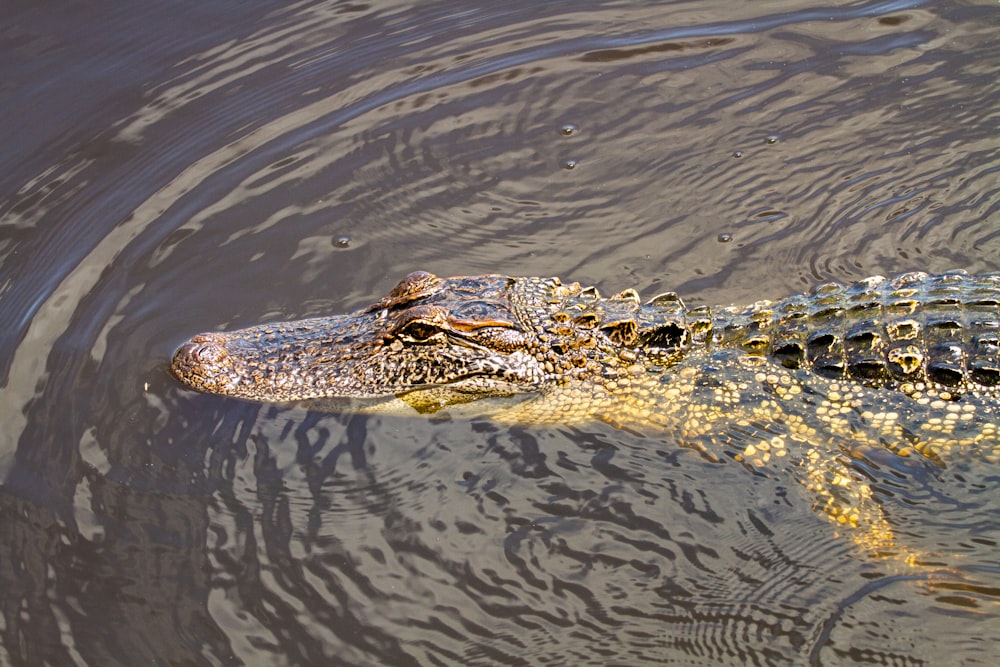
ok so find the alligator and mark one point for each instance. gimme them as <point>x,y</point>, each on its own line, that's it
<point>811,384</point>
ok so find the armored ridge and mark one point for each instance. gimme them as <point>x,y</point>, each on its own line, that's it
<point>911,364</point>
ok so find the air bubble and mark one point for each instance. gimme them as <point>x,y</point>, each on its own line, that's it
<point>342,242</point>
<point>569,129</point>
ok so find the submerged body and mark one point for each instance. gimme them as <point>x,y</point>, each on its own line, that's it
<point>805,384</point>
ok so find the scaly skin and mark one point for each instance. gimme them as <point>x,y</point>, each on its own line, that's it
<point>804,384</point>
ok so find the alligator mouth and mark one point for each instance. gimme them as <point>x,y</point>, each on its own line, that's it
<point>220,364</point>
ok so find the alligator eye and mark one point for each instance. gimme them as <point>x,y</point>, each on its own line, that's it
<point>418,331</point>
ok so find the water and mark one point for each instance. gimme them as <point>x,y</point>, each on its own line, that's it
<point>172,169</point>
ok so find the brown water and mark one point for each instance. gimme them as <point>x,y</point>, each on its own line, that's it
<point>168,168</point>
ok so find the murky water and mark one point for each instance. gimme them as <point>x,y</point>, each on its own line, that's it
<point>168,169</point>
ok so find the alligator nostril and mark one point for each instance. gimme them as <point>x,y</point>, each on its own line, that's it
<point>202,349</point>
<point>203,353</point>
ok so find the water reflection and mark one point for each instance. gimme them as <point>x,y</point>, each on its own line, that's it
<point>167,172</point>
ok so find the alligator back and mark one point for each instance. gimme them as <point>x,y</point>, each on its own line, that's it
<point>911,332</point>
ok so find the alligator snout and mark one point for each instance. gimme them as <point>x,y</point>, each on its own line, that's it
<point>203,349</point>
<point>204,363</point>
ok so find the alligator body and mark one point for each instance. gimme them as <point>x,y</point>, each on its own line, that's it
<point>806,384</point>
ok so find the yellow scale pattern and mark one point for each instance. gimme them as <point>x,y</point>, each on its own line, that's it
<point>774,420</point>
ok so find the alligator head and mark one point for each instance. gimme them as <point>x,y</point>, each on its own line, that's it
<point>433,342</point>
<point>430,341</point>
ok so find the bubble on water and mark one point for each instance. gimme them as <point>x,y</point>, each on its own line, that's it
<point>771,139</point>
<point>342,242</point>
<point>568,129</point>
<point>737,153</point>
<point>569,164</point>
<point>725,237</point>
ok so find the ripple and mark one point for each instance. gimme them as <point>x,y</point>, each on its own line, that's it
<point>167,172</point>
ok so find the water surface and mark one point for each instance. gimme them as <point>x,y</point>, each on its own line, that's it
<point>172,169</point>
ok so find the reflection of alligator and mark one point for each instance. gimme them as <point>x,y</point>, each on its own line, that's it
<point>910,364</point>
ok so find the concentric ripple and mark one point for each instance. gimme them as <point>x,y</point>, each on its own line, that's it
<point>196,166</point>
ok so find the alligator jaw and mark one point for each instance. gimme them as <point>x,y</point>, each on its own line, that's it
<point>244,364</point>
